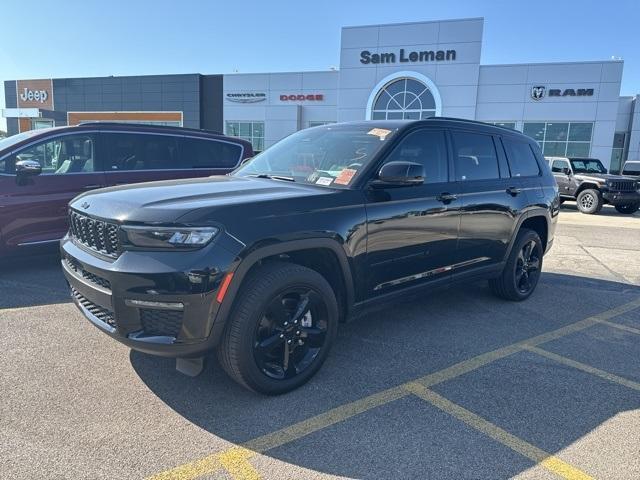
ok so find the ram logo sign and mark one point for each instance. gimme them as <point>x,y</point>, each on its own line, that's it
<point>538,92</point>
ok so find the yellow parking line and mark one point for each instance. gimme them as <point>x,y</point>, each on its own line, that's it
<point>620,326</point>
<point>585,368</point>
<point>348,410</point>
<point>507,439</point>
<point>236,462</point>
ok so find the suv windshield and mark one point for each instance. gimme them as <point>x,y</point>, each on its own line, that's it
<point>327,156</point>
<point>587,165</point>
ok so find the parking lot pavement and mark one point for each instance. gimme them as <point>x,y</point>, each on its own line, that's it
<point>454,385</point>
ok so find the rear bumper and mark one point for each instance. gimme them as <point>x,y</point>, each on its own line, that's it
<point>162,303</point>
<point>621,198</point>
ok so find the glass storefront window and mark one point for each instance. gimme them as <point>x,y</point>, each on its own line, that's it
<point>571,139</point>
<point>250,131</point>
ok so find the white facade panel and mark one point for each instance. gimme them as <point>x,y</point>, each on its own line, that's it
<point>246,82</point>
<point>607,111</point>
<point>285,81</point>
<point>560,111</point>
<point>563,73</point>
<point>406,34</point>
<point>357,78</point>
<point>461,30</point>
<point>495,112</point>
<point>320,80</point>
<point>612,71</point>
<point>502,93</point>
<point>503,74</point>
<point>458,95</point>
<point>359,36</point>
<point>458,74</point>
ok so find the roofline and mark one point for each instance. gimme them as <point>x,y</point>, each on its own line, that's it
<point>576,62</point>
<point>415,23</point>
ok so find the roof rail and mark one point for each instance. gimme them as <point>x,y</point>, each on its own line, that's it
<point>475,122</point>
<point>150,125</point>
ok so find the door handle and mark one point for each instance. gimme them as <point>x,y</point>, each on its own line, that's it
<point>91,187</point>
<point>513,191</point>
<point>446,198</point>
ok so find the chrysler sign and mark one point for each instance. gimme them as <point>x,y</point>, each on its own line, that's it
<point>538,92</point>
<point>247,97</point>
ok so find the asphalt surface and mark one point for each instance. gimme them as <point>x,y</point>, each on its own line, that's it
<point>455,385</point>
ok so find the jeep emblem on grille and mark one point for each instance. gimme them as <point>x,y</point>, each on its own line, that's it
<point>85,205</point>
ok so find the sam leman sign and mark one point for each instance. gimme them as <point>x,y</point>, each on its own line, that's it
<point>403,56</point>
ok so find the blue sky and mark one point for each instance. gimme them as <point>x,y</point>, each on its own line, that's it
<point>71,38</point>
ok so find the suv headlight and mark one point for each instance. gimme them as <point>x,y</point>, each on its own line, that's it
<point>169,238</point>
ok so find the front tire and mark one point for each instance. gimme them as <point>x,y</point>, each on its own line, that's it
<point>522,270</point>
<point>281,328</point>
<point>589,201</point>
<point>628,209</point>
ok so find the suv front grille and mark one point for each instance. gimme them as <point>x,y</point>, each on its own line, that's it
<point>161,322</point>
<point>102,314</point>
<point>622,185</point>
<point>97,235</point>
<point>91,277</point>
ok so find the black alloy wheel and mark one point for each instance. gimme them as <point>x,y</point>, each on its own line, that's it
<point>281,328</point>
<point>291,333</point>
<point>528,267</point>
<point>522,269</point>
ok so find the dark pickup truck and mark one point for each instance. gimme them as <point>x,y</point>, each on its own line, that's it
<point>261,265</point>
<point>586,181</point>
<point>42,170</point>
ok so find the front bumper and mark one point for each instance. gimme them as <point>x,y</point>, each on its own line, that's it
<point>621,198</point>
<point>162,303</point>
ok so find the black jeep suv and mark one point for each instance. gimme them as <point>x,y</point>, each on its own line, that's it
<point>262,264</point>
<point>586,181</point>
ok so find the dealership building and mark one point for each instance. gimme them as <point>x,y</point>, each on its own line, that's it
<point>398,71</point>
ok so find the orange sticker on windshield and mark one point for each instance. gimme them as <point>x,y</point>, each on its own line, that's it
<point>345,176</point>
<point>379,132</point>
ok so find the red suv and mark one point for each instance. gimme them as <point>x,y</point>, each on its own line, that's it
<point>42,170</point>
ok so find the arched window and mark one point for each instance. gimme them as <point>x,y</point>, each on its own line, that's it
<point>404,99</point>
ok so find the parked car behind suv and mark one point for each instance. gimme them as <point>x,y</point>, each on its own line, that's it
<point>586,181</point>
<point>632,169</point>
<point>42,170</point>
<point>262,264</point>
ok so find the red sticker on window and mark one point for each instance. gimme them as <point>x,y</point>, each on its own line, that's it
<point>345,176</point>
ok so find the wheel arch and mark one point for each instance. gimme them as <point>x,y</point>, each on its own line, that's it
<point>537,220</point>
<point>585,186</point>
<point>324,255</point>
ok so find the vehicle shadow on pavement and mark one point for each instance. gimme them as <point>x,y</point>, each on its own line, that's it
<point>542,402</point>
<point>32,280</point>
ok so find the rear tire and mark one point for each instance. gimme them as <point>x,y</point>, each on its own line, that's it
<point>522,270</point>
<point>589,201</point>
<point>628,209</point>
<point>283,311</point>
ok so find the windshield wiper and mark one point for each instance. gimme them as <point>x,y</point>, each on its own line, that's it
<point>271,177</point>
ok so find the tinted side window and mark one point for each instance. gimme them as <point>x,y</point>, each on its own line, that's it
<point>61,155</point>
<point>426,147</point>
<point>200,153</point>
<point>558,165</point>
<point>521,158</point>
<point>134,151</point>
<point>475,156</point>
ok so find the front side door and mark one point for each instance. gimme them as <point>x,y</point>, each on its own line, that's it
<point>413,230</point>
<point>491,200</point>
<point>34,209</point>
<point>559,168</point>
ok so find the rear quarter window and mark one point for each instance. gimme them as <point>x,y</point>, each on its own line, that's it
<point>202,153</point>
<point>522,160</point>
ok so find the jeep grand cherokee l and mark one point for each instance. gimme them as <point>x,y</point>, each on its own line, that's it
<point>261,265</point>
<point>42,170</point>
<point>586,181</point>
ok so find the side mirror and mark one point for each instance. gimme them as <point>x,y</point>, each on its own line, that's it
<point>566,170</point>
<point>400,174</point>
<point>28,168</point>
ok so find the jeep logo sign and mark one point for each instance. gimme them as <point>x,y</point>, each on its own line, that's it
<point>35,94</point>
<point>538,92</point>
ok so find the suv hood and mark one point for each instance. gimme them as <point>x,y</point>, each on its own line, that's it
<point>601,177</point>
<point>167,201</point>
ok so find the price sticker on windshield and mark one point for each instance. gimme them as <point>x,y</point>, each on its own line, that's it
<point>381,133</point>
<point>326,181</point>
<point>345,176</point>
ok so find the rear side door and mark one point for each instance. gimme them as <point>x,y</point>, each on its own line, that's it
<point>524,168</point>
<point>412,231</point>
<point>491,200</point>
<point>34,209</point>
